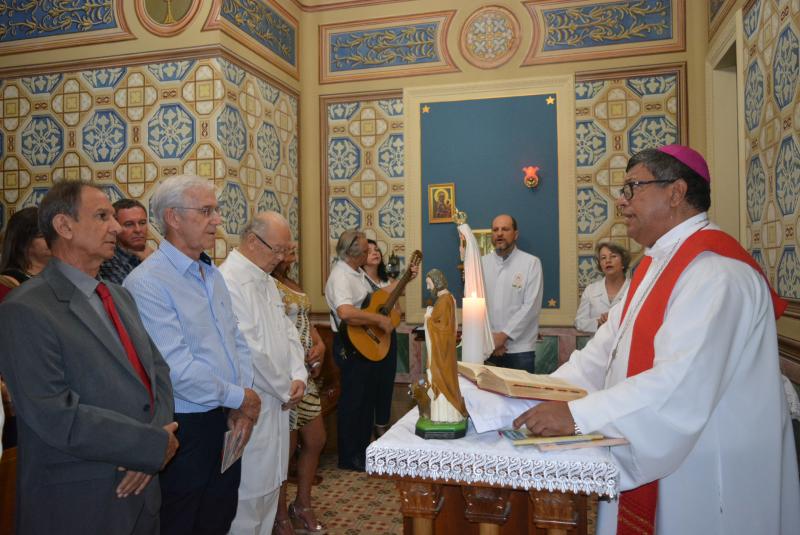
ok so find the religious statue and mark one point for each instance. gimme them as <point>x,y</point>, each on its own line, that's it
<point>476,333</point>
<point>448,414</point>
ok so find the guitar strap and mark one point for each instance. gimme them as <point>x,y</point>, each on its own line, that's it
<point>374,286</point>
<point>347,348</point>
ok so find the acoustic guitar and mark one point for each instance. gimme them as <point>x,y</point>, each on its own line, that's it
<point>369,340</point>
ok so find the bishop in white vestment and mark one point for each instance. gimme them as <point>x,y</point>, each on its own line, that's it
<point>708,420</point>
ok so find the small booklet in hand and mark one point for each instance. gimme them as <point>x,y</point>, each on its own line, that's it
<point>519,383</point>
<point>232,450</point>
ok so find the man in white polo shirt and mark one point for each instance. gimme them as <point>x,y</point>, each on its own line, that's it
<point>513,280</point>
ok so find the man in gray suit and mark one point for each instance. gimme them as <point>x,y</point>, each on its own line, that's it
<point>92,393</point>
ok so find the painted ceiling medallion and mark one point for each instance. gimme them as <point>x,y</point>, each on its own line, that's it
<point>490,37</point>
<point>166,17</point>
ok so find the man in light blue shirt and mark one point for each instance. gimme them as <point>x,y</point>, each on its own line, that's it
<point>186,309</point>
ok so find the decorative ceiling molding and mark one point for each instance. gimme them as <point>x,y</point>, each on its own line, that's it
<point>176,54</point>
<point>386,47</point>
<point>578,30</point>
<point>490,37</point>
<point>48,26</point>
<point>342,4</point>
<point>270,31</point>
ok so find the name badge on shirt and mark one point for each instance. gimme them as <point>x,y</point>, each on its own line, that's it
<point>518,281</point>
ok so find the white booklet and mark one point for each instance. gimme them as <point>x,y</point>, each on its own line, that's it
<point>232,451</point>
<point>489,411</point>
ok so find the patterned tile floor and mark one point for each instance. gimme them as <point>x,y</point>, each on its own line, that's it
<point>350,503</point>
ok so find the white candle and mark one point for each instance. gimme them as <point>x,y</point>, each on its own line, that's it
<point>473,312</point>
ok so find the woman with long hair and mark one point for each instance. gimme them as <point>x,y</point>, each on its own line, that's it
<point>25,252</point>
<point>378,278</point>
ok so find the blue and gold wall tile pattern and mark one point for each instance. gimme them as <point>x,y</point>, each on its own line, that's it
<point>364,171</point>
<point>127,127</point>
<point>617,115</point>
<point>772,146</point>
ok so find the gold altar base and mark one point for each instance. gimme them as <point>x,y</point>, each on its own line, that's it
<point>431,508</point>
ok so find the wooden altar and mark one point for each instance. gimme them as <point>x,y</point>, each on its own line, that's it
<point>482,485</point>
<point>440,507</point>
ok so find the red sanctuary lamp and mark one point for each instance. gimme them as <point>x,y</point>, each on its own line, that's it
<point>531,178</point>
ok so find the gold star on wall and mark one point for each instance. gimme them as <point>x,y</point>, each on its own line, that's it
<point>552,303</point>
<point>426,109</point>
<point>551,100</point>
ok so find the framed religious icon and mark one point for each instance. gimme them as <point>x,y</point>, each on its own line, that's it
<point>441,202</point>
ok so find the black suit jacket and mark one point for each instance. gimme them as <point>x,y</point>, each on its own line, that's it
<point>82,411</point>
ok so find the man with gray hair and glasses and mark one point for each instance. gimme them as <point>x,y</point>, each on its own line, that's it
<point>186,308</point>
<point>278,362</point>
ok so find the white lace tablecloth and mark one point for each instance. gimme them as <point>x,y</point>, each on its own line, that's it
<point>491,459</point>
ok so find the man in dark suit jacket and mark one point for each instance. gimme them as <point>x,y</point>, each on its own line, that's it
<point>92,393</point>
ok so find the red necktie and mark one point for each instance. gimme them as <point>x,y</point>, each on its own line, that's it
<point>130,351</point>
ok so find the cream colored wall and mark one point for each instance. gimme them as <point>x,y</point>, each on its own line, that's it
<point>312,224</point>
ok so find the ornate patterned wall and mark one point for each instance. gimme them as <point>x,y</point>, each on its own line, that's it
<point>572,30</point>
<point>616,115</point>
<point>263,26</point>
<point>385,48</point>
<point>47,24</point>
<point>363,179</point>
<point>772,147</point>
<point>127,127</point>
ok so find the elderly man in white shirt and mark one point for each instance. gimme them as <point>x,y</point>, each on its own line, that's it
<point>513,280</point>
<point>687,370</point>
<point>278,362</point>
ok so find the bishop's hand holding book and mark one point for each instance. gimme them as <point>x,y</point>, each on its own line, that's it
<point>495,397</point>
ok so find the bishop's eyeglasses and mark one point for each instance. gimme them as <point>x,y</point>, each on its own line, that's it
<point>627,189</point>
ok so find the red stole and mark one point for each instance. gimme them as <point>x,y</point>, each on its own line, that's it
<point>637,507</point>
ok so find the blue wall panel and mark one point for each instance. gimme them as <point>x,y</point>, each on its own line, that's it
<point>482,146</point>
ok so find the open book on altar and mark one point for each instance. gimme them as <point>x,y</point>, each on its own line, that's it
<point>519,383</point>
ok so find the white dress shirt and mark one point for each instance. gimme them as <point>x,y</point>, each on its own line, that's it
<point>594,302</point>
<point>278,359</point>
<point>514,297</point>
